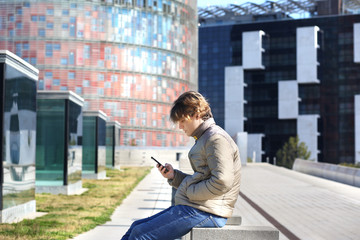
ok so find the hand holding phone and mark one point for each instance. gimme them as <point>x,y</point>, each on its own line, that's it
<point>166,170</point>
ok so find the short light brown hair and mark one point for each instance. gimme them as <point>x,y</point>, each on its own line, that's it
<point>188,104</point>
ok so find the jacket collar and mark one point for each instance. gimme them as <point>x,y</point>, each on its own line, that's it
<point>202,128</point>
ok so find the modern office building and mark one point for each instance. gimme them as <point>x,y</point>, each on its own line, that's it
<point>127,58</point>
<point>272,77</point>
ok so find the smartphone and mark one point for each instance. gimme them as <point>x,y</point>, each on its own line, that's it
<point>159,164</point>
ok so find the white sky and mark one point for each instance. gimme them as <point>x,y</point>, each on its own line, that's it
<point>205,3</point>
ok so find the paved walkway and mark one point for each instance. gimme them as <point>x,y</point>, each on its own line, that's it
<point>301,206</point>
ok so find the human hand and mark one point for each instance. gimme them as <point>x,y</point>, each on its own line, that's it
<point>167,171</point>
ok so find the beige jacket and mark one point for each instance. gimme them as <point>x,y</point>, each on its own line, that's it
<point>214,187</point>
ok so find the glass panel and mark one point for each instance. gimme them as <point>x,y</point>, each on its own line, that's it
<point>50,142</point>
<point>19,138</point>
<point>101,145</point>
<point>117,147</point>
<point>109,146</point>
<point>89,144</point>
<point>75,143</point>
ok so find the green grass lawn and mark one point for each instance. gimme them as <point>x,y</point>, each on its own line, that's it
<point>68,216</point>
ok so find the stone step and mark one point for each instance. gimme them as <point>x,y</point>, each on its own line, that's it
<point>232,232</point>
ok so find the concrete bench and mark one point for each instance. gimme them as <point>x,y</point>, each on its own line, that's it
<point>230,232</point>
<point>233,230</point>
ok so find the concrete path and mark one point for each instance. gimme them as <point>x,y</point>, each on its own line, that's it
<point>299,205</point>
<point>307,206</point>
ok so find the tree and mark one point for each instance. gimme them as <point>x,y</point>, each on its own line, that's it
<point>291,150</point>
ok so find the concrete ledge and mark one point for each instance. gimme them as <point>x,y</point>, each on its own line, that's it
<point>341,174</point>
<point>17,213</point>
<point>234,232</point>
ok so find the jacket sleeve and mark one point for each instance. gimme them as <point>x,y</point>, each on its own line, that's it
<point>178,178</point>
<point>220,160</point>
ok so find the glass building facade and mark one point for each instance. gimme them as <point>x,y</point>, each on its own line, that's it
<point>18,136</point>
<point>58,140</point>
<point>129,58</point>
<point>330,97</point>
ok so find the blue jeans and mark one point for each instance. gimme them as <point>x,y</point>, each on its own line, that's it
<point>172,223</point>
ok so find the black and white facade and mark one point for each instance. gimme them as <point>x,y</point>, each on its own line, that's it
<point>284,78</point>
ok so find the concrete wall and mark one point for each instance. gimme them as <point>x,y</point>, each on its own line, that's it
<point>252,50</point>
<point>255,146</point>
<point>306,54</point>
<point>307,130</point>
<point>357,127</point>
<point>288,99</point>
<point>357,42</point>
<point>234,100</point>
<point>141,156</point>
<point>346,175</point>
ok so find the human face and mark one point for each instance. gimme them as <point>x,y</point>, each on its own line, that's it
<point>190,124</point>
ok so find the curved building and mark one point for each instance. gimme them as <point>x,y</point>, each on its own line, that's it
<point>128,58</point>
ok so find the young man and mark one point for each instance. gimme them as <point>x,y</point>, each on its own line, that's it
<point>206,198</point>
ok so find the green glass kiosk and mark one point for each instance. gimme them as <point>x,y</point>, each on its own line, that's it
<point>113,144</point>
<point>94,145</point>
<point>59,142</point>
<point>18,140</point>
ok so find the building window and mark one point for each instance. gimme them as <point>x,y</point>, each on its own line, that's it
<point>56,82</point>
<point>19,11</point>
<point>26,46</point>
<point>63,88</point>
<point>48,50</point>
<point>41,84</point>
<point>86,51</point>
<point>100,77</point>
<point>65,12</point>
<point>19,25</point>
<point>33,60</point>
<point>100,91</point>
<point>50,11</point>
<point>11,18</point>
<point>86,83</point>
<point>56,47</point>
<point>65,26</point>
<point>72,30</point>
<point>48,74</point>
<point>41,32</point>
<point>18,49</point>
<point>42,18</point>
<point>50,25</point>
<point>107,85</point>
<point>78,90</point>
<point>71,75</point>
<point>63,61</point>
<point>34,18</point>
<point>71,58</point>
